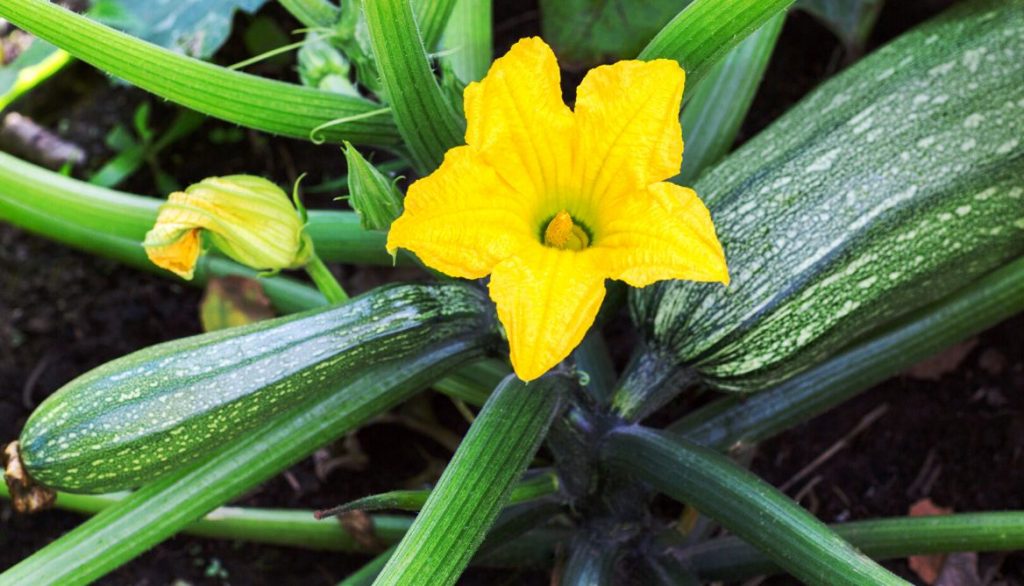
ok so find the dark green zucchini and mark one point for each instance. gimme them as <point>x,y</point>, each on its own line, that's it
<point>132,419</point>
<point>893,184</point>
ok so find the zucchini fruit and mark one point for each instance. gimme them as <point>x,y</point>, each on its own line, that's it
<point>139,416</point>
<point>893,184</point>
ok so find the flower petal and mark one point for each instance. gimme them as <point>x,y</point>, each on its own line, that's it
<point>174,247</point>
<point>462,219</point>
<point>627,123</point>
<point>547,299</point>
<point>518,122</point>
<point>664,233</point>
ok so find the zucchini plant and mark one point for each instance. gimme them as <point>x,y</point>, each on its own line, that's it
<point>878,221</point>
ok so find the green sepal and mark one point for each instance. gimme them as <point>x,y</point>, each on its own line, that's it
<point>371,194</point>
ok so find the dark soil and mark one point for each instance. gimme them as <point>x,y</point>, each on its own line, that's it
<point>957,440</point>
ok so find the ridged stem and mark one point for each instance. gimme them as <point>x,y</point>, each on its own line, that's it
<point>431,19</point>
<point>426,120</point>
<point>263,104</point>
<point>291,528</point>
<point>703,32</point>
<point>475,484</point>
<point>744,504</point>
<point>730,559</point>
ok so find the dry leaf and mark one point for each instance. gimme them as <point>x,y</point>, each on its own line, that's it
<point>944,362</point>
<point>233,301</point>
<point>26,495</point>
<point>927,567</point>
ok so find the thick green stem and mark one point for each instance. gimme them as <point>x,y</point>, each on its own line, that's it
<point>703,32</point>
<point>476,484</point>
<point>730,559</point>
<point>431,19</point>
<point>744,504</point>
<point>263,104</point>
<point>291,528</point>
<point>426,120</point>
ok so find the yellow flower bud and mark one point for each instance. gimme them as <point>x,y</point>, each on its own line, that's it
<point>247,218</point>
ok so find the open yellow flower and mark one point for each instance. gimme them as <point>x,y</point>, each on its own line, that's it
<point>551,202</point>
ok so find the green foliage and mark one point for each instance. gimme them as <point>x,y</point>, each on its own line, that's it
<point>587,32</point>
<point>850,20</point>
<point>196,28</point>
<point>143,147</point>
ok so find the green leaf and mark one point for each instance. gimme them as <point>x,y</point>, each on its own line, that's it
<point>586,32</point>
<point>702,34</point>
<point>744,504</point>
<point>850,20</point>
<point>717,108</point>
<point>29,69</point>
<point>468,39</point>
<point>476,483</point>
<point>729,559</point>
<point>37,52</point>
<point>313,13</point>
<point>262,104</point>
<point>196,28</point>
<point>743,420</point>
<point>161,509</point>
<point>426,120</point>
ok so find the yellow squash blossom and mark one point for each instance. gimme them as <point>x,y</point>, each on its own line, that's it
<point>247,218</point>
<point>550,202</point>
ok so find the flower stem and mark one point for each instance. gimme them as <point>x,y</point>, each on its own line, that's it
<point>325,281</point>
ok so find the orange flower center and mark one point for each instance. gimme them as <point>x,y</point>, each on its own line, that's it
<point>565,234</point>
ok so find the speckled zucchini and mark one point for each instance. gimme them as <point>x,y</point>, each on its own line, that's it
<point>132,419</point>
<point>895,183</point>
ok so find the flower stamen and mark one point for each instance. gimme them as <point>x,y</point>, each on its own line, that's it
<point>564,234</point>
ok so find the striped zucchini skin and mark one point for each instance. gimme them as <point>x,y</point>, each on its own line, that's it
<point>137,417</point>
<point>893,184</point>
